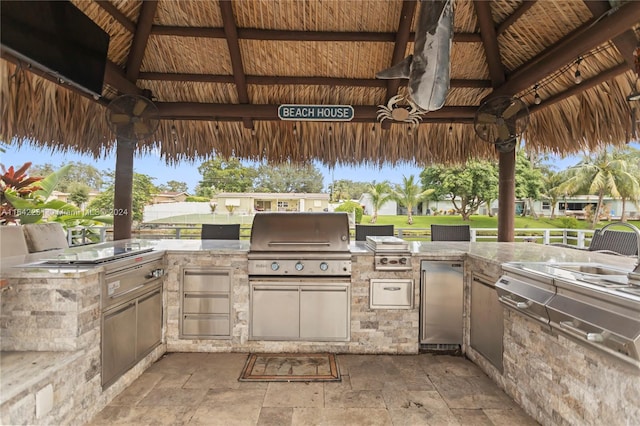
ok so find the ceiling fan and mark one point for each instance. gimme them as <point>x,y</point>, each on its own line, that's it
<point>132,117</point>
<point>501,120</point>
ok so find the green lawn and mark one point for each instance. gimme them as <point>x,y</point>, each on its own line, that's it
<point>478,221</point>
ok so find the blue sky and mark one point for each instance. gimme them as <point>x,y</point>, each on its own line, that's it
<point>153,165</point>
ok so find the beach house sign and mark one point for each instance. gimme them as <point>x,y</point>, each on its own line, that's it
<point>315,112</point>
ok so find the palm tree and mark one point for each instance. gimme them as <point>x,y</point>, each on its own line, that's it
<point>602,175</point>
<point>380,193</point>
<point>630,188</point>
<point>409,194</point>
<point>551,188</point>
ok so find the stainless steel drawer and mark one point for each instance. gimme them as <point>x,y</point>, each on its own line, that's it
<point>392,293</point>
<point>205,325</point>
<point>206,281</point>
<point>198,303</point>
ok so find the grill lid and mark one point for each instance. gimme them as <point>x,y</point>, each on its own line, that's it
<point>307,232</point>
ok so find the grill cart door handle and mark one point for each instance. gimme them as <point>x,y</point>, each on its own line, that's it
<point>298,243</point>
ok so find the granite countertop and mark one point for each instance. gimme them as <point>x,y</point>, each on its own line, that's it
<point>500,253</point>
<point>497,253</point>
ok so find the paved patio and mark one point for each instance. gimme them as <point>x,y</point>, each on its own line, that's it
<point>425,389</point>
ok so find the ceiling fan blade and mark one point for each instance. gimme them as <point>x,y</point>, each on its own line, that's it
<point>511,110</point>
<point>140,128</point>
<point>120,118</point>
<point>139,107</point>
<point>486,118</point>
<point>503,132</point>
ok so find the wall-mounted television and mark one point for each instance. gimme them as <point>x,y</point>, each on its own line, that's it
<point>57,37</point>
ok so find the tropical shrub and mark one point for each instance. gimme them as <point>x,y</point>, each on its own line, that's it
<point>350,207</point>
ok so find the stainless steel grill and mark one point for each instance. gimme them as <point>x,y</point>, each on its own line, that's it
<point>599,310</point>
<point>300,244</point>
<point>299,277</point>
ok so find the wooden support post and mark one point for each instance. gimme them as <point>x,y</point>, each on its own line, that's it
<point>507,196</point>
<point>123,191</point>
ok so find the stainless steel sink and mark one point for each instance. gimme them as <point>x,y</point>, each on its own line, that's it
<point>592,269</point>
<point>592,273</point>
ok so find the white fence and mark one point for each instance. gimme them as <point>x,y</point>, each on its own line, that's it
<point>578,237</point>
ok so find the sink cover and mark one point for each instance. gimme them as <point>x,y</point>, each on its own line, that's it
<point>592,269</point>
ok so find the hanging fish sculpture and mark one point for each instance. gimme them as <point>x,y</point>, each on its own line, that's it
<point>428,68</point>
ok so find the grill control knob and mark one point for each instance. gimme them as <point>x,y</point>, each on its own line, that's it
<point>324,266</point>
<point>275,266</point>
<point>299,266</point>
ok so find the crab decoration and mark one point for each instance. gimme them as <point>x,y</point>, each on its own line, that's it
<point>392,111</point>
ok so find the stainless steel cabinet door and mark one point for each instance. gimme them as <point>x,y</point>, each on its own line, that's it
<point>324,313</point>
<point>118,341</point>
<point>441,303</point>
<point>149,322</point>
<point>486,321</point>
<point>275,312</point>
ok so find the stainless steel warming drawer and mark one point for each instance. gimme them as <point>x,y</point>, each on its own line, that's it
<point>391,293</point>
<point>205,303</point>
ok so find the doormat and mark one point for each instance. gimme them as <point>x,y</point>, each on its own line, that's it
<point>320,367</point>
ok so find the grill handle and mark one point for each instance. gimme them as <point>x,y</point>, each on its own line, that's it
<point>298,243</point>
<point>514,304</point>
<point>591,337</point>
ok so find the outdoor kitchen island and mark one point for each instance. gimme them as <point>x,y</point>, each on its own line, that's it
<point>555,380</point>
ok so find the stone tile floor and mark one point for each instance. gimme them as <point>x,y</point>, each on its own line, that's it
<point>425,389</point>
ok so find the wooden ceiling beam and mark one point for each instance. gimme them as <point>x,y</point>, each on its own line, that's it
<point>179,110</point>
<point>266,80</point>
<point>140,39</point>
<point>286,35</point>
<point>372,120</point>
<point>114,76</point>
<point>511,19</point>
<point>231,34</point>
<point>588,36</point>
<point>400,48</point>
<point>22,66</point>
<point>490,42</point>
<point>585,85</point>
<point>625,42</point>
<point>117,15</point>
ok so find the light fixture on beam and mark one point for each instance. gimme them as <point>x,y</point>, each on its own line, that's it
<point>577,77</point>
<point>536,99</point>
<point>633,97</point>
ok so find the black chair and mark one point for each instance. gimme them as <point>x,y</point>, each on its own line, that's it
<point>362,231</point>
<point>609,242</point>
<point>220,232</point>
<point>450,233</point>
<point>618,242</point>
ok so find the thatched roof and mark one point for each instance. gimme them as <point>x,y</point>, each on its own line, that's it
<point>217,69</point>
